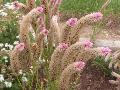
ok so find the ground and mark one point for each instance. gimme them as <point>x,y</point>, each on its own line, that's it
<point>93,78</point>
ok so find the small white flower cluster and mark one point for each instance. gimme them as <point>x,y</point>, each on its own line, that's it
<point>16,42</point>
<point>41,60</point>
<point>9,6</point>
<point>9,46</point>
<point>1,45</point>
<point>5,58</point>
<point>8,84</point>
<point>24,78</point>
<point>3,14</point>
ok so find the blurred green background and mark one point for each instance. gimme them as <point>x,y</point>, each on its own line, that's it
<point>84,6</point>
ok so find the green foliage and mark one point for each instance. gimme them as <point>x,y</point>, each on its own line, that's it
<point>9,34</point>
<point>100,63</point>
<point>86,6</point>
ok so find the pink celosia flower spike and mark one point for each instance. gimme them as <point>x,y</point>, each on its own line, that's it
<point>71,22</point>
<point>44,31</point>
<point>20,47</point>
<point>94,17</point>
<point>39,9</point>
<point>63,46</point>
<point>87,44</point>
<point>18,5</point>
<point>105,51</point>
<point>79,65</point>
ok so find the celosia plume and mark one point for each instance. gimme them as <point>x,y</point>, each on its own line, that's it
<point>105,51</point>
<point>18,5</point>
<point>39,9</point>
<point>63,46</point>
<point>79,65</point>
<point>20,47</point>
<point>94,17</point>
<point>44,31</point>
<point>71,22</point>
<point>87,44</point>
<point>71,69</point>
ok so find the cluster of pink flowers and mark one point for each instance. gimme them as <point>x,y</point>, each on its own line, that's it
<point>19,47</point>
<point>94,17</point>
<point>16,4</point>
<point>44,31</point>
<point>87,44</point>
<point>39,9</point>
<point>105,51</point>
<point>79,65</point>
<point>72,22</point>
<point>63,46</point>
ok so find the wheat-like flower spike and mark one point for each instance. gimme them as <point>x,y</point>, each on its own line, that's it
<point>76,67</point>
<point>90,18</point>
<point>56,30</point>
<point>15,64</point>
<point>55,63</point>
<point>83,54</point>
<point>30,5</point>
<point>71,53</point>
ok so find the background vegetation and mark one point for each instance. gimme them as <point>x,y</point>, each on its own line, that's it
<point>85,6</point>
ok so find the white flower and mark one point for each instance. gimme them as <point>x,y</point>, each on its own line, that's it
<point>3,70</point>
<point>6,45</point>
<point>24,79</point>
<point>1,44</point>
<point>9,6</point>
<point>3,49</point>
<point>24,74</point>
<point>4,14</point>
<point>8,84</point>
<point>1,78</point>
<point>20,72</point>
<point>16,42</point>
<point>5,57</point>
<point>6,60</point>
<point>17,36</point>
<point>10,47</point>
<point>31,67</point>
<point>31,71</point>
<point>1,10</point>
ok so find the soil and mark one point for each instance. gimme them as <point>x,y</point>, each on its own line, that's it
<point>93,78</point>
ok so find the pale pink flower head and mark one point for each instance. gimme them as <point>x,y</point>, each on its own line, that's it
<point>16,4</point>
<point>105,51</point>
<point>44,31</point>
<point>87,44</point>
<point>72,22</point>
<point>94,17</point>
<point>40,9</point>
<point>20,47</point>
<point>79,65</point>
<point>63,46</point>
